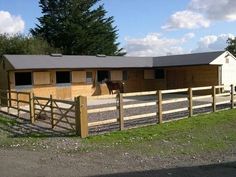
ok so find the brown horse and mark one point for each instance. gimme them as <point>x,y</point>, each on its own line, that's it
<point>115,86</point>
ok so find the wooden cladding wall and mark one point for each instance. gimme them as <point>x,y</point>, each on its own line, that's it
<point>42,78</point>
<point>195,76</point>
<point>181,77</point>
<point>116,75</point>
<point>137,83</point>
<point>149,74</point>
<point>78,76</point>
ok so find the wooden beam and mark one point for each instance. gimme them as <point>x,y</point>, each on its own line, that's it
<point>175,110</point>
<point>201,97</point>
<point>81,118</point>
<point>223,102</point>
<point>232,96</point>
<point>201,88</point>
<point>104,122</point>
<point>174,91</point>
<point>51,109</point>
<point>121,111</point>
<point>31,106</point>
<point>174,100</point>
<point>139,94</point>
<point>139,105</point>
<point>99,110</point>
<point>202,106</point>
<point>190,99</point>
<point>214,98</point>
<point>160,106</point>
<point>18,105</point>
<point>140,116</point>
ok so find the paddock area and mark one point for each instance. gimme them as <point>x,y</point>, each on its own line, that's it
<point>99,114</point>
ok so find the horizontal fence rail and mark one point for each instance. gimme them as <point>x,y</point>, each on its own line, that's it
<point>94,114</point>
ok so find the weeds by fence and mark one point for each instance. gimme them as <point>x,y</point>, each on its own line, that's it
<point>122,111</point>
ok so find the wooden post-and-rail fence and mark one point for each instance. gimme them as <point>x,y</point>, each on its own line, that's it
<point>81,111</point>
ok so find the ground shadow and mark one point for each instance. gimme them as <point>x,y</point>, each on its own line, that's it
<point>17,128</point>
<point>214,170</point>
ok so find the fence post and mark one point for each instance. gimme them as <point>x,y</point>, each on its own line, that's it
<point>51,107</point>
<point>214,98</point>
<point>18,105</point>
<point>81,116</point>
<point>31,105</point>
<point>121,111</point>
<point>232,96</point>
<point>190,99</point>
<point>8,101</point>
<point>159,106</point>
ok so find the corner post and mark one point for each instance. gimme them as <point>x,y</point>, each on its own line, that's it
<point>214,98</point>
<point>159,106</point>
<point>81,116</point>
<point>121,111</point>
<point>232,96</point>
<point>190,99</point>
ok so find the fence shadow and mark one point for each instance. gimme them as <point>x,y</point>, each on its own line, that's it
<point>24,128</point>
<point>214,170</point>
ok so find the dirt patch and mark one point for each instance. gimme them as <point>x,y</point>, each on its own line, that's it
<point>17,162</point>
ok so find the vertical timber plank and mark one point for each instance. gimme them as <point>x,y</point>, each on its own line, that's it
<point>214,98</point>
<point>81,118</point>
<point>31,105</point>
<point>52,115</point>
<point>160,106</point>
<point>121,111</point>
<point>190,99</point>
<point>18,105</point>
<point>232,96</point>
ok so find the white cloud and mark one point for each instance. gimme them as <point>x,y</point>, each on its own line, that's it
<point>201,13</point>
<point>186,20</point>
<point>10,24</point>
<point>212,43</point>
<point>155,44</point>
<point>215,10</point>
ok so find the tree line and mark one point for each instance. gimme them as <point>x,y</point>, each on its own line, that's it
<point>72,27</point>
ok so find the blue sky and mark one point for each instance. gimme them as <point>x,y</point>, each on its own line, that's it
<point>147,27</point>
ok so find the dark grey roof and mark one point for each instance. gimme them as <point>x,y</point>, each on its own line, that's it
<point>187,59</point>
<point>73,62</point>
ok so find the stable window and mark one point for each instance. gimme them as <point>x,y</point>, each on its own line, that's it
<point>103,75</point>
<point>159,74</point>
<point>23,78</point>
<point>63,77</point>
<point>89,77</point>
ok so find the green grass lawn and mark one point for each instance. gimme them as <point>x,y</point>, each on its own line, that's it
<point>204,133</point>
<point>201,134</point>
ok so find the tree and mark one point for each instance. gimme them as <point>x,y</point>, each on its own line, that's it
<point>77,27</point>
<point>231,46</point>
<point>20,44</point>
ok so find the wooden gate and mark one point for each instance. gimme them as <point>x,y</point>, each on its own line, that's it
<point>58,114</point>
